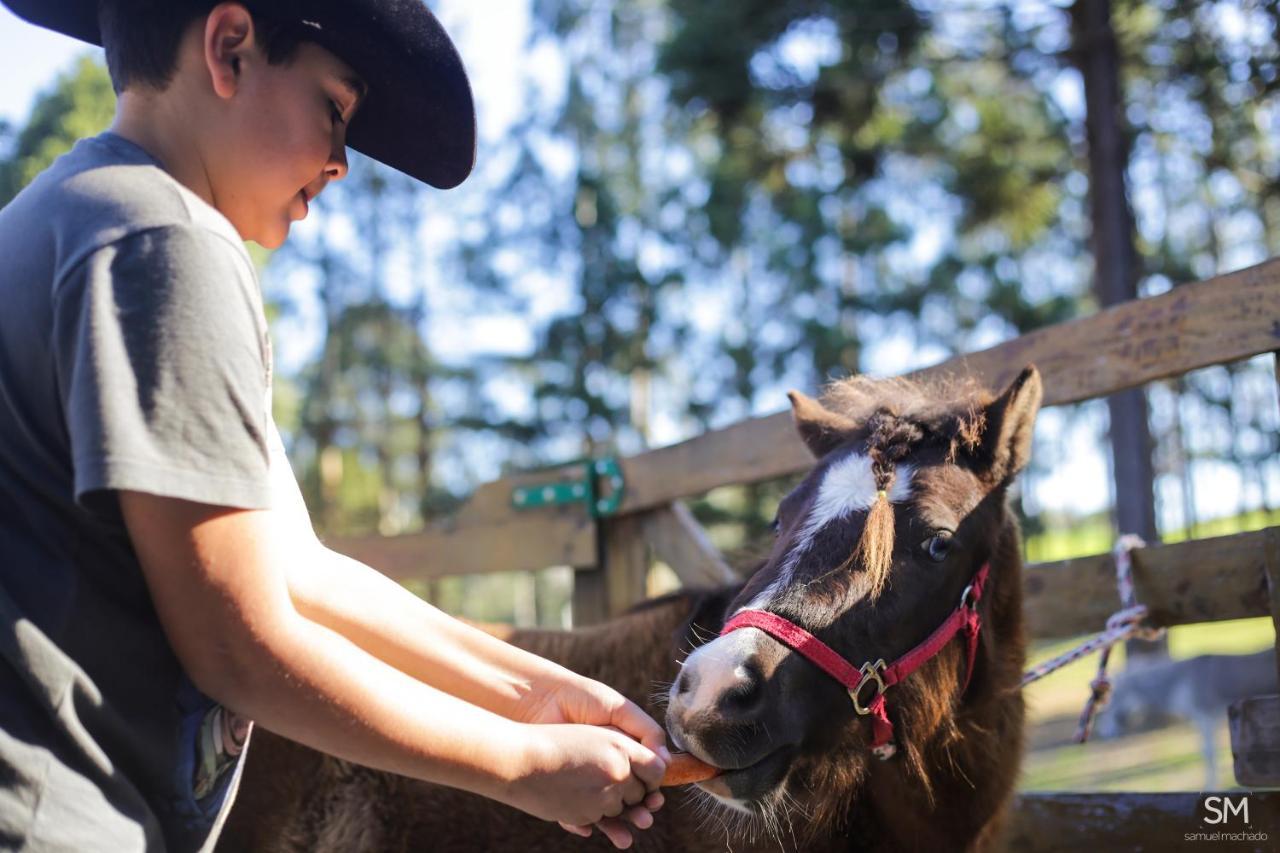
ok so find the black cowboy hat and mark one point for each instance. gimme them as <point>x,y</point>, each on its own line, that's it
<point>418,116</point>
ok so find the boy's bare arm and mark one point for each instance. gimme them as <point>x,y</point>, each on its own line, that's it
<point>217,579</point>
<point>397,627</point>
<point>401,629</point>
<point>406,632</point>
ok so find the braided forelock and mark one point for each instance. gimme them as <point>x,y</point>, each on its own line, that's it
<point>891,439</point>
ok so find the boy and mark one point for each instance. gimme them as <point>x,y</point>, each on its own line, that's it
<point>160,583</point>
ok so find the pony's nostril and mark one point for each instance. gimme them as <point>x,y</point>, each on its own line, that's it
<point>685,682</point>
<point>746,691</point>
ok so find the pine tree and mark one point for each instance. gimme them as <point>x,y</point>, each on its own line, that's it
<point>79,103</point>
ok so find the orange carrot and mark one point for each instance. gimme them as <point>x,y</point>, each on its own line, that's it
<point>685,769</point>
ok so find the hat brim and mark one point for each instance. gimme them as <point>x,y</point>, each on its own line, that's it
<point>418,115</point>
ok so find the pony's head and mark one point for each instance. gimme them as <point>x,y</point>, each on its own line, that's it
<point>874,549</point>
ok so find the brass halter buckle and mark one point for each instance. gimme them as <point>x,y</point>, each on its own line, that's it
<point>872,673</point>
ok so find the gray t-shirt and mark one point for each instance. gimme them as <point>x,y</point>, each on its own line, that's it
<point>133,355</point>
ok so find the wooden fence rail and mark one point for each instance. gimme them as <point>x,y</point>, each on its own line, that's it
<point>1203,580</point>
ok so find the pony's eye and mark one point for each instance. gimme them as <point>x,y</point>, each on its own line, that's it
<point>938,546</point>
<point>775,525</point>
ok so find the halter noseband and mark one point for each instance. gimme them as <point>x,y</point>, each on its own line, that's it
<point>881,676</point>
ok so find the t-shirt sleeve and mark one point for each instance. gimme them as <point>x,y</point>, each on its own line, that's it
<point>161,359</point>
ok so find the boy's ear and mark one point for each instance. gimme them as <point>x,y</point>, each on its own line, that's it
<point>228,36</point>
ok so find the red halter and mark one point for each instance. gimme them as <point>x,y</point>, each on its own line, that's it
<point>964,618</point>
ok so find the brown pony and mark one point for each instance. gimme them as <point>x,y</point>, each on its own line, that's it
<point>875,549</point>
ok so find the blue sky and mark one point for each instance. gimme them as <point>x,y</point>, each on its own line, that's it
<point>32,57</point>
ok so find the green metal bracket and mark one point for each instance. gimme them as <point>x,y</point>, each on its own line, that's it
<point>596,472</point>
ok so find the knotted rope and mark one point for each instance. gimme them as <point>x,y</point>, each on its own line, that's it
<point>1130,621</point>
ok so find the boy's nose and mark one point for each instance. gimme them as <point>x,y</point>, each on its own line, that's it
<point>336,169</point>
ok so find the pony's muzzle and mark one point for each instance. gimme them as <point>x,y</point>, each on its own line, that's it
<point>719,703</point>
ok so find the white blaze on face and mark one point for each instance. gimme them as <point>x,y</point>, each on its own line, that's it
<point>848,486</point>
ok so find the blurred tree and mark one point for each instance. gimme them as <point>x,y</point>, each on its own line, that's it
<point>1203,101</point>
<point>1112,236</point>
<point>945,148</point>
<point>79,103</point>
<point>874,173</point>
<point>594,199</point>
<point>365,426</point>
<point>805,179</point>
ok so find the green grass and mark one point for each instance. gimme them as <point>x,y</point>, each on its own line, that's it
<point>1090,536</point>
<point>1164,760</point>
<point>1094,535</point>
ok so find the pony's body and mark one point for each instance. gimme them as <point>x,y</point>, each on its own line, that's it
<point>799,774</point>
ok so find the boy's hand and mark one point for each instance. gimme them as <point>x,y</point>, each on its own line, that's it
<point>616,829</point>
<point>575,699</point>
<point>583,775</point>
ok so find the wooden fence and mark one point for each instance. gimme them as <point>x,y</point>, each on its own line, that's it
<point>1221,320</point>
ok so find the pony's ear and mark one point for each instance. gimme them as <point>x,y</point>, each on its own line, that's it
<point>821,429</point>
<point>1010,420</point>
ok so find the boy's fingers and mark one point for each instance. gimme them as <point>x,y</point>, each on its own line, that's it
<point>633,791</point>
<point>647,766</point>
<point>616,831</point>
<point>654,801</point>
<point>638,816</point>
<point>631,720</point>
<point>583,831</point>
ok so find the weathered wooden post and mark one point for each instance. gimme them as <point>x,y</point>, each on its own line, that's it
<point>1255,722</point>
<point>677,539</point>
<point>618,581</point>
<point>628,545</point>
<point>615,578</point>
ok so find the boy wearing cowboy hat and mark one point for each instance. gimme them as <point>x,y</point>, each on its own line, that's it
<point>160,582</point>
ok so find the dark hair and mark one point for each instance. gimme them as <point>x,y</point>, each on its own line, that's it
<point>141,37</point>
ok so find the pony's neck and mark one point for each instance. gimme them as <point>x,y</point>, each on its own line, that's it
<point>970,776</point>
